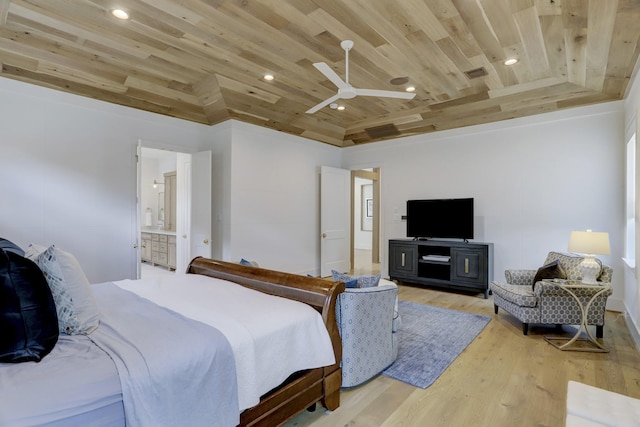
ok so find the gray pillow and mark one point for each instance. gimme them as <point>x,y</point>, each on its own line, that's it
<point>75,304</point>
<point>553,270</point>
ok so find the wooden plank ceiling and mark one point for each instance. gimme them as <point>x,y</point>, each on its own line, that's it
<point>203,60</point>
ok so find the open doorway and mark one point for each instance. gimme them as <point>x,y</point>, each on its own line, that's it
<point>365,224</point>
<point>158,208</point>
<point>174,209</point>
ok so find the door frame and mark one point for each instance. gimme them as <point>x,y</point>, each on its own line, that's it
<point>142,145</point>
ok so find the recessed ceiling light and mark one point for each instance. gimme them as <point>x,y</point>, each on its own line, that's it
<point>120,14</point>
<point>511,61</point>
<point>410,89</point>
<point>340,107</point>
<point>268,77</point>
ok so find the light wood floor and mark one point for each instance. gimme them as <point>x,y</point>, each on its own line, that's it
<point>502,379</point>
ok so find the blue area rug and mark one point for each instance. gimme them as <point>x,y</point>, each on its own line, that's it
<point>430,338</point>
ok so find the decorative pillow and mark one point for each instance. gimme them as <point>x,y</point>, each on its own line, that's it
<point>28,319</point>
<point>553,270</point>
<point>362,281</point>
<point>33,251</point>
<point>10,247</point>
<point>351,283</point>
<point>75,303</point>
<point>248,263</point>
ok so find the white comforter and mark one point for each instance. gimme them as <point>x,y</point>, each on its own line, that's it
<point>271,337</point>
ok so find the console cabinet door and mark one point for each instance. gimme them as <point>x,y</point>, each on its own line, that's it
<point>468,265</point>
<point>403,259</point>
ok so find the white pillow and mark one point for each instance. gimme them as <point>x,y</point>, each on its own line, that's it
<point>75,303</point>
<point>33,251</point>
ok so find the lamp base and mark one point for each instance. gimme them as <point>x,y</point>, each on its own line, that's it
<point>590,270</point>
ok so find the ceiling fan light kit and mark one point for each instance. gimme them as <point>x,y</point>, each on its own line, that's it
<point>345,90</point>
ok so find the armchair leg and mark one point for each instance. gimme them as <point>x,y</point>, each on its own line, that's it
<point>495,309</point>
<point>525,328</point>
<point>599,331</point>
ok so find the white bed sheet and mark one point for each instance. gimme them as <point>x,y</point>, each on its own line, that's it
<point>52,393</point>
<point>271,337</point>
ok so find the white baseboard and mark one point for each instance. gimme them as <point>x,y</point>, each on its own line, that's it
<point>633,329</point>
<point>616,304</point>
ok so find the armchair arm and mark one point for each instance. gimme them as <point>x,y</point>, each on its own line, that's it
<point>605,275</point>
<point>520,276</point>
<point>546,289</point>
<point>558,306</point>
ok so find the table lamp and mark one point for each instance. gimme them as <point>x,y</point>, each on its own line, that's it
<point>589,243</point>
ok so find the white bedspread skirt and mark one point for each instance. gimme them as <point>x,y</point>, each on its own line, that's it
<point>271,337</point>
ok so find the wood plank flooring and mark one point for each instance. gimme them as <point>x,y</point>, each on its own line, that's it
<point>502,379</point>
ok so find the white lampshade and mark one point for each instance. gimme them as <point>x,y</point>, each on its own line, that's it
<point>589,242</point>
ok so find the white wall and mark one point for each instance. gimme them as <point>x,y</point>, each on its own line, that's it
<point>534,180</point>
<point>148,195</point>
<point>275,206</point>
<point>68,175</point>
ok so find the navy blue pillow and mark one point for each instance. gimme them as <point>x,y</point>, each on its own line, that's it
<point>28,318</point>
<point>351,283</point>
<point>10,246</point>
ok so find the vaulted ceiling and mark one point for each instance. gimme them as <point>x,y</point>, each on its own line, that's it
<point>204,60</point>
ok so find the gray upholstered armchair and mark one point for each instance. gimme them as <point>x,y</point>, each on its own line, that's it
<point>547,302</point>
<point>366,320</point>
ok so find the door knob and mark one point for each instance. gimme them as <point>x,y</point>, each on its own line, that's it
<point>205,241</point>
<point>324,235</point>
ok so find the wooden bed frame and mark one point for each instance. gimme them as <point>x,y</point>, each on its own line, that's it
<point>303,389</point>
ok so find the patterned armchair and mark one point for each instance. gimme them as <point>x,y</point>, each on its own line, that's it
<point>366,319</point>
<point>547,302</point>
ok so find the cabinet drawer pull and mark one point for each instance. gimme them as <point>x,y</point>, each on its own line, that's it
<point>403,257</point>
<point>466,265</point>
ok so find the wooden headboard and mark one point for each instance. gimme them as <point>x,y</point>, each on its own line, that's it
<point>318,293</point>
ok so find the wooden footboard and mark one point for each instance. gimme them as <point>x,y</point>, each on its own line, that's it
<point>306,388</point>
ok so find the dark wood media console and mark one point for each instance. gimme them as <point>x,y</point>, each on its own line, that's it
<point>447,264</point>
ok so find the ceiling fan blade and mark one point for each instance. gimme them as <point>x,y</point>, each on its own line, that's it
<point>330,74</point>
<point>385,93</point>
<point>323,104</point>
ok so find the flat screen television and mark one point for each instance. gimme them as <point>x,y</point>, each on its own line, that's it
<point>440,218</point>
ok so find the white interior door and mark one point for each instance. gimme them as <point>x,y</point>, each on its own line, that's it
<point>335,211</point>
<point>201,204</point>
<point>183,211</point>
<point>138,216</point>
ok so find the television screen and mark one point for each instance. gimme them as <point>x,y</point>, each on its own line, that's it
<point>440,218</point>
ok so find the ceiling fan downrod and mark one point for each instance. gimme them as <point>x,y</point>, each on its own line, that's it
<point>346,45</point>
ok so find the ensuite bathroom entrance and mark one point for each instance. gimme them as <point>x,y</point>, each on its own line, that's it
<point>174,209</point>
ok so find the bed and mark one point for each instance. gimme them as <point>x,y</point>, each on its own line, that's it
<point>51,392</point>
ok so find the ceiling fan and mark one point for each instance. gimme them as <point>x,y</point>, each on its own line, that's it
<point>345,90</point>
